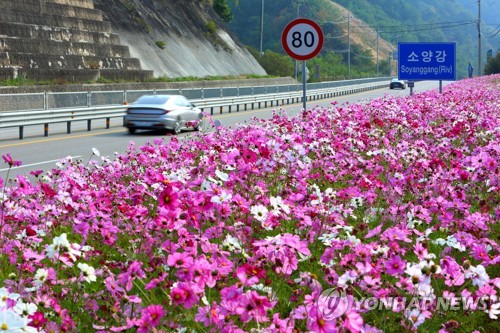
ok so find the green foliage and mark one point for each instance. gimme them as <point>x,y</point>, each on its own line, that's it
<point>211,27</point>
<point>161,44</point>
<point>20,81</point>
<point>397,21</point>
<point>493,65</point>
<point>221,7</point>
<point>274,63</point>
<point>207,78</point>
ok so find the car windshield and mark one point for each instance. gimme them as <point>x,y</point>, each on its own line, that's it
<point>152,99</point>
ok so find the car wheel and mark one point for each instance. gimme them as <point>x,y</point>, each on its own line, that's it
<point>131,130</point>
<point>177,128</point>
<point>199,125</point>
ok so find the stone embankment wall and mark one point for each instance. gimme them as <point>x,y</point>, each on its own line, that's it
<point>120,40</point>
<point>65,40</point>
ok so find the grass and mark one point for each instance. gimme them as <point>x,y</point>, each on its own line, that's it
<point>29,82</point>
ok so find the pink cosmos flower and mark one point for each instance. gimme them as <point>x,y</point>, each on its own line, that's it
<point>37,319</point>
<point>10,161</point>
<point>317,323</point>
<point>152,315</point>
<point>185,294</point>
<point>209,315</point>
<point>249,274</point>
<point>395,265</point>
<point>168,198</point>
<point>180,260</point>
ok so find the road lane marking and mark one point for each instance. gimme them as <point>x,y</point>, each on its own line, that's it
<point>38,163</point>
<point>214,116</point>
<point>59,139</point>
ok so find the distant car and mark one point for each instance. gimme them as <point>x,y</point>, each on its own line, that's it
<point>169,112</point>
<point>396,83</point>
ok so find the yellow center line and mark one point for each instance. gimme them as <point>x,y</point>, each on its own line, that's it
<point>59,139</point>
<point>226,114</point>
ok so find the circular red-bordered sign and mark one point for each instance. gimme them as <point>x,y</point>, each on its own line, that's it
<point>302,39</point>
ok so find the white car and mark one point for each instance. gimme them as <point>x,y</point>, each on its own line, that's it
<point>397,83</point>
<point>169,112</point>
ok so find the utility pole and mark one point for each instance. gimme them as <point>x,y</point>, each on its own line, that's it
<point>296,63</point>
<point>349,45</point>
<point>479,71</point>
<point>261,26</point>
<point>377,51</point>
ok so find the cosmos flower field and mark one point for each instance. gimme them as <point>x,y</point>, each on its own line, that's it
<point>243,229</point>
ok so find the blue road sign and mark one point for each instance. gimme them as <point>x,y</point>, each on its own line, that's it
<point>427,61</point>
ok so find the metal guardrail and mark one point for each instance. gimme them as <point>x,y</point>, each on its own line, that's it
<point>45,117</point>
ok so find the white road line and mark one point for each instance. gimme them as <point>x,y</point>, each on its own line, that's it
<point>39,163</point>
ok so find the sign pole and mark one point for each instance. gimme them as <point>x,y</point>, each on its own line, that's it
<point>302,39</point>
<point>304,85</point>
<point>440,86</point>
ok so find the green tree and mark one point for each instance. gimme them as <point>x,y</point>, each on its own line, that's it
<point>221,7</point>
<point>274,64</point>
<point>493,65</point>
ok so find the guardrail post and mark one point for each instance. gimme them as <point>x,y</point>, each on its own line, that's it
<point>46,101</point>
<point>108,122</point>
<point>45,129</point>
<point>68,127</point>
<point>21,132</point>
<point>89,125</point>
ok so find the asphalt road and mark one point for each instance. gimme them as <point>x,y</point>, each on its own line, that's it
<point>37,152</point>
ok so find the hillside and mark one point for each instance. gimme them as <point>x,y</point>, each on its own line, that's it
<point>178,38</point>
<point>396,21</point>
<point>432,21</point>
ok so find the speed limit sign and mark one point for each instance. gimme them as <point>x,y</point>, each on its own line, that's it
<point>302,39</point>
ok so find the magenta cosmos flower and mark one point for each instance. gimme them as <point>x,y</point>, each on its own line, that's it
<point>169,198</point>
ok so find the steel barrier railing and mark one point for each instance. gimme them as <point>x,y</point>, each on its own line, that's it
<point>86,112</point>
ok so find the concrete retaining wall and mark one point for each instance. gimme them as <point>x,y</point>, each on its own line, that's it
<point>42,32</point>
<point>146,85</point>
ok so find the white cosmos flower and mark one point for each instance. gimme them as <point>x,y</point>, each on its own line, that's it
<point>41,276</point>
<point>452,242</point>
<point>88,272</point>
<point>415,316</point>
<point>259,212</point>
<point>61,244</point>
<point>11,322</point>
<point>478,275</point>
<point>96,152</point>
<point>223,197</point>
<point>221,175</point>
<point>278,205</point>
<point>231,242</point>
<point>25,309</point>
<point>5,295</point>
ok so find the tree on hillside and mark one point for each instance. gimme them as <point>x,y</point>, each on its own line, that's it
<point>493,65</point>
<point>222,8</point>
<point>274,63</point>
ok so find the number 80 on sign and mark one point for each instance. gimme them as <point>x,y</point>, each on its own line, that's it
<point>302,39</point>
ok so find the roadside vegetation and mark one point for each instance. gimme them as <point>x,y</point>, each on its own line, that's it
<point>374,217</point>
